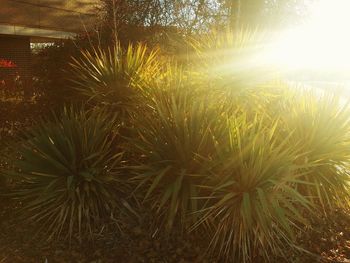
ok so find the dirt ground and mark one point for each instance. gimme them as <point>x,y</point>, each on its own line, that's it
<point>329,241</point>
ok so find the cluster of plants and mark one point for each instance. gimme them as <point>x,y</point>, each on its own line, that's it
<point>205,147</point>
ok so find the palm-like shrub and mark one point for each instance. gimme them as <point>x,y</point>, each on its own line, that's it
<point>254,208</point>
<point>215,46</point>
<point>230,57</point>
<point>175,140</point>
<point>229,64</point>
<point>320,126</point>
<point>114,76</point>
<point>70,173</point>
<point>175,82</point>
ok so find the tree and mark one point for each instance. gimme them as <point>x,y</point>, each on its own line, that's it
<point>186,15</point>
<point>135,20</point>
<point>259,13</point>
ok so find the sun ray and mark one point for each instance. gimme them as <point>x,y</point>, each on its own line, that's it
<point>321,43</point>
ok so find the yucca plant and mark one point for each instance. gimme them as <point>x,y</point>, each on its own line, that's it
<point>175,82</point>
<point>320,125</point>
<point>230,65</point>
<point>254,209</point>
<point>215,45</point>
<point>113,76</point>
<point>229,56</point>
<point>70,174</point>
<point>175,140</point>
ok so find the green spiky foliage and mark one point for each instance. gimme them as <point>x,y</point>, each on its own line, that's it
<point>217,46</point>
<point>320,125</point>
<point>114,76</point>
<point>228,56</point>
<point>229,64</point>
<point>175,140</point>
<point>175,82</point>
<point>254,209</point>
<point>70,174</point>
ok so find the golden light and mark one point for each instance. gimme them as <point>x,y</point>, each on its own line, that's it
<point>322,43</point>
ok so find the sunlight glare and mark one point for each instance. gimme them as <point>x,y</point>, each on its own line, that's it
<point>321,43</point>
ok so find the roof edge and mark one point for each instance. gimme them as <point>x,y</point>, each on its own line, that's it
<point>36,33</point>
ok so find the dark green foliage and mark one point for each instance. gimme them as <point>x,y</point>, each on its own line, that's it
<point>175,141</point>
<point>70,173</point>
<point>50,80</point>
<point>115,77</point>
<point>253,207</point>
<point>320,126</point>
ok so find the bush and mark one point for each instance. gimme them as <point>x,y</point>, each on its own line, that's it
<point>51,68</point>
<point>70,173</point>
<point>228,58</point>
<point>114,77</point>
<point>320,126</point>
<point>174,142</point>
<point>254,208</point>
<point>212,147</point>
<point>228,65</point>
<point>49,64</point>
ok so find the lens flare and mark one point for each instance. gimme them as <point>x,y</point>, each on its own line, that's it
<point>322,43</point>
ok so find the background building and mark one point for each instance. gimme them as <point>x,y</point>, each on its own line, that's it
<point>31,21</point>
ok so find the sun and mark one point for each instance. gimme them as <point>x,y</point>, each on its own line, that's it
<point>321,43</point>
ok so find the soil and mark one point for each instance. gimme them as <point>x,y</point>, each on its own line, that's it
<point>328,241</point>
